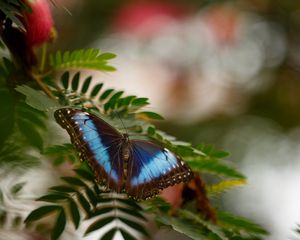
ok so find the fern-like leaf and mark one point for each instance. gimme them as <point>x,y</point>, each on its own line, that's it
<point>80,92</point>
<point>87,59</point>
<point>114,209</point>
<point>239,224</point>
<point>224,185</point>
<point>213,166</point>
<point>81,196</point>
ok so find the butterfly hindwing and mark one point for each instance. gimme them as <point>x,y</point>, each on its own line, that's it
<point>97,142</point>
<point>152,168</point>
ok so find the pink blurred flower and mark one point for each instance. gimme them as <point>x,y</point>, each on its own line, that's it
<point>224,22</point>
<point>38,23</point>
<point>147,18</point>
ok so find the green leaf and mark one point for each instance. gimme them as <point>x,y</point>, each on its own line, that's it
<point>75,215</point>
<point>75,81</point>
<point>65,80</point>
<point>30,133</point>
<point>131,203</point>
<point>59,225</point>
<point>228,220</point>
<point>106,94</point>
<point>37,118</point>
<point>211,151</point>
<point>84,203</point>
<point>190,229</point>
<point>150,115</point>
<point>107,56</point>
<point>110,234</point>
<point>41,212</point>
<point>36,99</point>
<point>86,84</point>
<point>53,198</point>
<point>212,228</point>
<point>140,102</point>
<point>112,102</point>
<point>151,131</point>
<point>87,59</point>
<point>7,114</point>
<point>100,223</point>
<point>132,212</point>
<point>16,158</point>
<point>135,226</point>
<point>74,181</point>
<point>102,210</point>
<point>213,166</point>
<point>63,189</point>
<point>92,196</point>
<point>62,153</point>
<point>96,89</point>
<point>126,101</point>
<point>158,203</point>
<point>126,235</point>
<point>117,95</point>
<point>87,175</point>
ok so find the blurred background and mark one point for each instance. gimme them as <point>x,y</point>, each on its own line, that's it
<point>221,72</point>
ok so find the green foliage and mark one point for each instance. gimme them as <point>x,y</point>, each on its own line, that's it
<point>80,198</point>
<point>213,166</point>
<point>14,158</point>
<point>108,101</point>
<point>36,99</point>
<point>195,227</point>
<point>239,224</point>
<point>89,59</point>
<point>17,116</point>
<point>61,153</point>
<point>12,9</point>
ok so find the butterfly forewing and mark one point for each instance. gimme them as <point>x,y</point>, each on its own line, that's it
<point>152,168</point>
<point>97,142</point>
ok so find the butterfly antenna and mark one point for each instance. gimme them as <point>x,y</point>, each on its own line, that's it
<point>123,125</point>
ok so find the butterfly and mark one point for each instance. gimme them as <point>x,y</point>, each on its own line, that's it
<point>140,168</point>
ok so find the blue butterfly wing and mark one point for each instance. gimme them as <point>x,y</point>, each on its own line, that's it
<point>97,142</point>
<point>152,168</point>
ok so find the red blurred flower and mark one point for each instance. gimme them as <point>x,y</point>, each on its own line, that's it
<point>38,23</point>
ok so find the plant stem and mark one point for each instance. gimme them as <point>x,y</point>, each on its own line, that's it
<point>43,86</point>
<point>43,58</point>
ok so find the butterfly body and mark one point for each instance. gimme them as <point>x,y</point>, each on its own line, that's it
<point>138,167</point>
